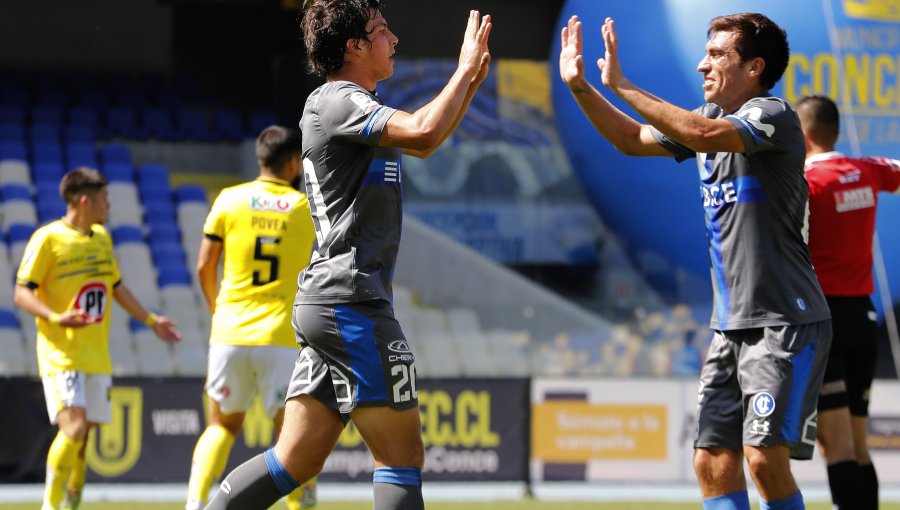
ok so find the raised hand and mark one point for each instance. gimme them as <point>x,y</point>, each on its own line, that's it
<point>485,52</point>
<point>610,70</point>
<point>164,328</point>
<point>571,65</point>
<point>474,53</point>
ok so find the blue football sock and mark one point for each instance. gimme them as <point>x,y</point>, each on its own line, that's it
<point>794,502</point>
<point>733,501</point>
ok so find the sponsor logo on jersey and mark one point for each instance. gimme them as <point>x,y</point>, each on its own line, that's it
<point>399,346</point>
<point>269,203</point>
<point>850,177</point>
<point>763,404</point>
<point>364,102</point>
<point>854,199</point>
<point>92,301</point>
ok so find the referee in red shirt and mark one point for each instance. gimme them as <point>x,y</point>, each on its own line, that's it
<point>843,195</point>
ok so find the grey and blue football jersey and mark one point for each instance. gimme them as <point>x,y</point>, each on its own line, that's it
<point>756,206</point>
<point>354,194</point>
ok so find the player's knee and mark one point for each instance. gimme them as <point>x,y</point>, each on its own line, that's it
<point>765,463</point>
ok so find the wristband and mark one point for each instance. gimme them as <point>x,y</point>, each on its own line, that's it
<point>151,319</point>
<point>54,318</point>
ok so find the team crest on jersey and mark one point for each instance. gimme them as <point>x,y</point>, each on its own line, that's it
<point>269,203</point>
<point>364,102</point>
<point>763,404</point>
<point>92,301</point>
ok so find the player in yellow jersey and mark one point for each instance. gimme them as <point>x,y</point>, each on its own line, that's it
<point>264,231</point>
<point>65,279</point>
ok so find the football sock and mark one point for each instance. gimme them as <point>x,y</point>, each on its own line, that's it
<point>398,489</point>
<point>208,462</point>
<point>75,485</point>
<point>794,502</point>
<point>60,459</point>
<point>732,501</point>
<point>255,484</point>
<point>846,484</point>
<point>869,482</point>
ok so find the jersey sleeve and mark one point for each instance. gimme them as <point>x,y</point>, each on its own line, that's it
<point>761,123</point>
<point>214,227</point>
<point>354,114</point>
<point>680,151</point>
<point>889,173</point>
<point>35,261</point>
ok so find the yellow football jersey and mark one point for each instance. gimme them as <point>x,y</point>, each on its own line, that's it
<point>267,237</point>
<point>69,269</point>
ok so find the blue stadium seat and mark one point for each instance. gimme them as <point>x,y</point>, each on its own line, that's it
<point>86,116</point>
<point>194,124</point>
<point>50,211</point>
<point>43,133</point>
<point>81,154</point>
<point>10,192</point>
<point>94,99</point>
<point>13,150</point>
<point>190,193</point>
<point>127,234</point>
<point>47,114</point>
<point>78,134</point>
<point>115,153</point>
<point>153,193</point>
<point>50,95</point>
<point>122,121</point>
<point>12,132</point>
<point>163,232</point>
<point>51,171</point>
<point>12,113</point>
<point>19,233</point>
<point>121,172</point>
<point>152,174</point>
<point>8,318</point>
<point>43,151</point>
<point>258,120</point>
<point>129,97</point>
<point>158,210</point>
<point>168,254</point>
<point>228,124</point>
<point>158,123</point>
<point>173,274</point>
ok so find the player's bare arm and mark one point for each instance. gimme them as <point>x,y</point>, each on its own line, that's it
<point>425,129</point>
<point>208,270</point>
<point>692,130</point>
<point>26,299</point>
<point>626,134</point>
<point>162,326</point>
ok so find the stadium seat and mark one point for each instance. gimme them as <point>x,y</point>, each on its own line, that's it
<point>514,358</point>
<point>153,175</point>
<point>18,207</point>
<point>154,356</point>
<point>12,132</point>
<point>50,211</point>
<point>126,234</point>
<point>121,347</point>
<point>42,151</point>
<point>7,279</point>
<point>81,154</point>
<point>84,116</point>
<point>12,113</point>
<point>258,120</point>
<point>47,171</point>
<point>155,192</point>
<point>158,210</point>
<point>129,97</point>
<point>118,172</point>
<point>13,360</point>
<point>47,114</point>
<point>193,124</point>
<point>45,133</point>
<point>93,99</point>
<point>466,333</point>
<point>163,232</point>
<point>168,255</point>
<point>121,121</point>
<point>431,336</point>
<point>228,125</point>
<point>191,217</point>
<point>78,134</point>
<point>124,206</point>
<point>17,237</point>
<point>14,171</point>
<point>158,123</point>
<point>115,153</point>
<point>10,149</point>
<point>51,95</point>
<point>190,354</point>
<point>190,193</point>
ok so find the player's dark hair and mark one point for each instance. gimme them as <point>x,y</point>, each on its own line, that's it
<point>275,146</point>
<point>81,181</point>
<point>758,36</point>
<point>327,25</point>
<point>820,118</point>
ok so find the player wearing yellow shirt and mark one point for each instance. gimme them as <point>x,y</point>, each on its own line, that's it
<point>65,279</point>
<point>264,232</point>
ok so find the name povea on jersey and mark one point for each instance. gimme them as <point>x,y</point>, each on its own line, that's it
<point>270,203</point>
<point>92,300</point>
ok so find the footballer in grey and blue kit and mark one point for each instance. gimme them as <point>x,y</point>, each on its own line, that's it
<point>344,296</point>
<point>766,295</point>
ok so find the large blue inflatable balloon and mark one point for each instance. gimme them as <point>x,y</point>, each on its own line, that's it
<point>846,49</point>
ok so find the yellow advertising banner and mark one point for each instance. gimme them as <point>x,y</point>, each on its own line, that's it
<point>577,431</point>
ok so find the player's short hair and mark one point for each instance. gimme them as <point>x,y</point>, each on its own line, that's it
<point>328,24</point>
<point>81,181</point>
<point>758,36</point>
<point>275,146</point>
<point>820,119</point>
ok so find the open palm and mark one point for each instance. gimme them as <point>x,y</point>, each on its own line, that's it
<point>571,58</point>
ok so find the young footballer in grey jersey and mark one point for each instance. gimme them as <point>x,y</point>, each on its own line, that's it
<point>761,378</point>
<point>354,362</point>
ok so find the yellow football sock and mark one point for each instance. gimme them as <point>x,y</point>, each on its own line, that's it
<point>303,497</point>
<point>210,458</point>
<point>76,483</point>
<point>60,460</point>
